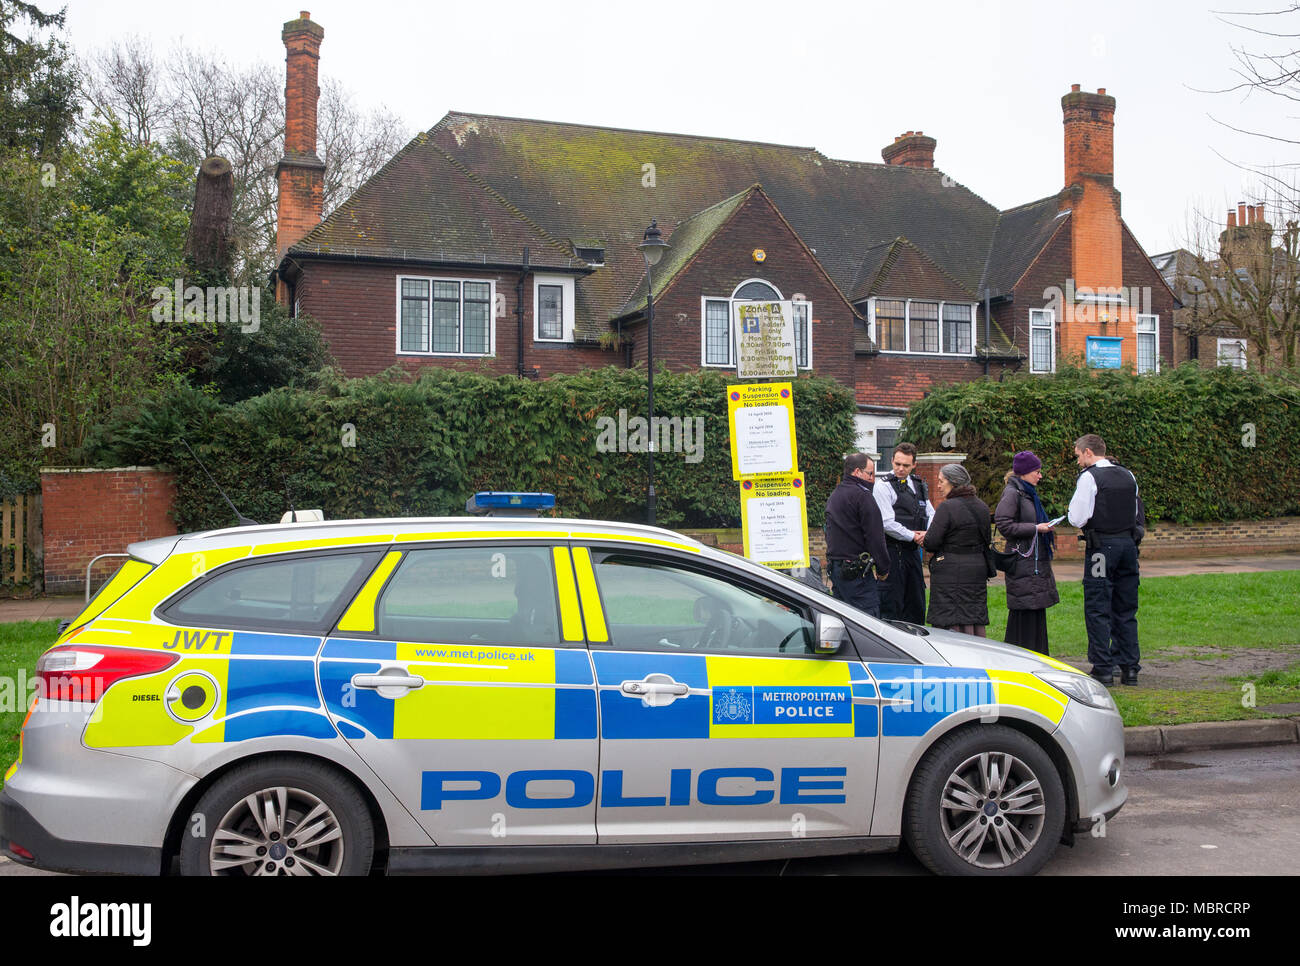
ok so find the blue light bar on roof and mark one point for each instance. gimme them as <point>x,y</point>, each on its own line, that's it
<point>505,504</point>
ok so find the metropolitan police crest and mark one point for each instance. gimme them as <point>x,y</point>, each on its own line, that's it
<point>732,706</point>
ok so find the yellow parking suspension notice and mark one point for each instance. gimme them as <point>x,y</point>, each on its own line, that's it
<point>774,514</point>
<point>761,420</point>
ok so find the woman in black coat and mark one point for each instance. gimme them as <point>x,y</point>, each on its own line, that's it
<point>1031,585</point>
<point>958,572</point>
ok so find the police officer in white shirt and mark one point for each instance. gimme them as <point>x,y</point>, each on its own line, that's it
<point>906,513</point>
<point>1106,508</point>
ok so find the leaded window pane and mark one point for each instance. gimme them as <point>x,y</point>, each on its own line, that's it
<point>957,327</point>
<point>924,326</point>
<point>446,316</point>
<point>717,333</point>
<point>415,315</point>
<point>478,304</point>
<point>756,291</point>
<point>1146,346</point>
<point>890,325</point>
<point>550,311</point>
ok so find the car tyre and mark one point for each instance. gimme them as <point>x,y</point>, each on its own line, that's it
<point>984,801</point>
<point>279,816</point>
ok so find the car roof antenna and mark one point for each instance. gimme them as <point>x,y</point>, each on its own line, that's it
<point>243,520</point>
<point>289,497</point>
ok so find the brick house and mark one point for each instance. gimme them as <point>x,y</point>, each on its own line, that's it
<point>1200,333</point>
<point>511,245</point>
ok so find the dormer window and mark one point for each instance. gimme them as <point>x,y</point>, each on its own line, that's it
<point>590,251</point>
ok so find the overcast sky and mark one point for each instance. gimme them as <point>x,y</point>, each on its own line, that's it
<point>985,79</point>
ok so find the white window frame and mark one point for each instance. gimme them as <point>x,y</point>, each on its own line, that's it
<point>566,306</point>
<point>1219,360</point>
<point>907,327</point>
<point>868,426</point>
<point>431,279</point>
<point>1137,342</point>
<point>1051,327</point>
<point>731,324</point>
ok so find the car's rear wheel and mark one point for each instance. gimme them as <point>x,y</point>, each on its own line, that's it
<point>985,801</point>
<point>279,816</point>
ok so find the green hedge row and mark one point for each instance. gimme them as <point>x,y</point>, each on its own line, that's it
<point>422,445</point>
<point>1205,444</point>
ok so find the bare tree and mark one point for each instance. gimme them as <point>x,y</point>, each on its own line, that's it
<point>199,105</point>
<point>1248,280</point>
<point>124,83</point>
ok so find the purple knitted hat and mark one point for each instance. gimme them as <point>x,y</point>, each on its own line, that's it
<point>1025,462</point>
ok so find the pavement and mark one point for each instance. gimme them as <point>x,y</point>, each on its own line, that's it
<point>1144,740</point>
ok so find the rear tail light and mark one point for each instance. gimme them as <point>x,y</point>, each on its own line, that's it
<point>21,852</point>
<point>83,672</point>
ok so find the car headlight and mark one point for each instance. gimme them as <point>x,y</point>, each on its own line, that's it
<point>1080,687</point>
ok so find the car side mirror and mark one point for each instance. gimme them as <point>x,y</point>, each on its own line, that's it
<point>830,634</point>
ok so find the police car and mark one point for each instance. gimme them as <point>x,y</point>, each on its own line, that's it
<point>493,695</point>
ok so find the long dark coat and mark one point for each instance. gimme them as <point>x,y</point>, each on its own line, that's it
<point>1031,585</point>
<point>958,574</point>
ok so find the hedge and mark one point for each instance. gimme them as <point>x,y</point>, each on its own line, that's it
<point>1204,444</point>
<point>425,444</point>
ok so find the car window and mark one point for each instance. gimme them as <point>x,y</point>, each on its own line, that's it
<point>654,604</point>
<point>462,595</point>
<point>295,594</point>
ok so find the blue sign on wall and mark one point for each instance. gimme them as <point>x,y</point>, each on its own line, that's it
<point>1103,352</point>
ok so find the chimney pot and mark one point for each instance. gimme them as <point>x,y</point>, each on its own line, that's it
<point>1074,88</point>
<point>304,14</point>
<point>1241,213</point>
<point>1232,218</point>
<point>1101,90</point>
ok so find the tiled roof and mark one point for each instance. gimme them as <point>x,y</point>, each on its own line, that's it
<point>424,205</point>
<point>609,183</point>
<point>906,271</point>
<point>1021,234</point>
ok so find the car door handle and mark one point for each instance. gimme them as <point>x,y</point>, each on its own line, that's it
<point>655,690</point>
<point>638,689</point>
<point>386,681</point>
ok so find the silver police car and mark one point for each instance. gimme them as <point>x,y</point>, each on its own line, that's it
<point>494,695</point>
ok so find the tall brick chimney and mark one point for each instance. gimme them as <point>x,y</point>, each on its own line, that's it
<point>1248,239</point>
<point>911,150</point>
<point>1090,188</point>
<point>300,173</point>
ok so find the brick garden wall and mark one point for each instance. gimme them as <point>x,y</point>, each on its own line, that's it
<point>87,512</point>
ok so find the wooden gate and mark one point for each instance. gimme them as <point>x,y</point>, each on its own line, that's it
<point>20,539</point>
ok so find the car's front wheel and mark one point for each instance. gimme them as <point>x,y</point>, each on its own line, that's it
<point>985,801</point>
<point>279,816</point>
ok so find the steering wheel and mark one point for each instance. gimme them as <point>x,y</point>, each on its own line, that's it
<point>717,633</point>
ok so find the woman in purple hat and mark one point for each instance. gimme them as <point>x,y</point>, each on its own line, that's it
<point>1031,586</point>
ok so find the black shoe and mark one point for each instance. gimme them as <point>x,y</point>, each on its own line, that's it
<point>1128,676</point>
<point>1107,677</point>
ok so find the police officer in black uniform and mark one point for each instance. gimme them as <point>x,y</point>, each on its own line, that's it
<point>1106,508</point>
<point>905,510</point>
<point>853,529</point>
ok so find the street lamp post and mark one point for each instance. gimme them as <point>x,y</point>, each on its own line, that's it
<point>652,248</point>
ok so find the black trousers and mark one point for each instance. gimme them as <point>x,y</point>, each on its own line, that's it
<point>1110,603</point>
<point>904,597</point>
<point>863,593</point>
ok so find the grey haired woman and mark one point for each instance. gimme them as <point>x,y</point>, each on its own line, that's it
<point>1031,585</point>
<point>956,539</point>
